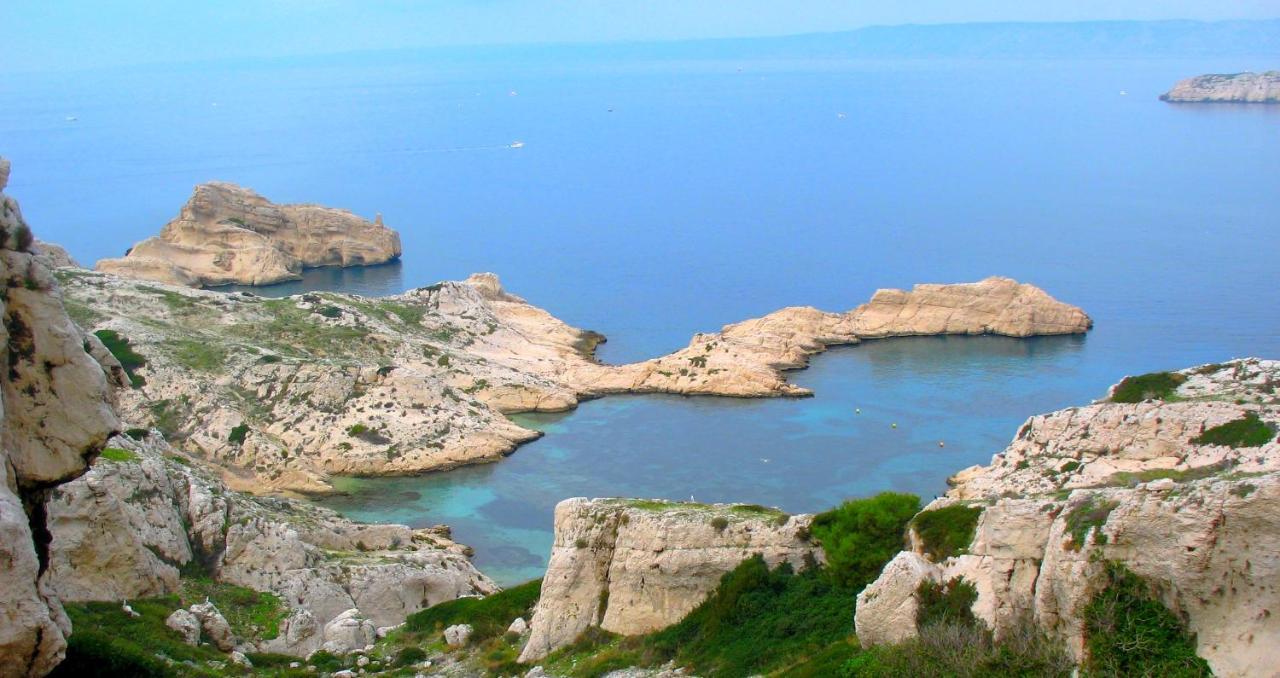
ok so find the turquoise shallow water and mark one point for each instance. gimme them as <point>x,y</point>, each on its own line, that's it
<point>654,199</point>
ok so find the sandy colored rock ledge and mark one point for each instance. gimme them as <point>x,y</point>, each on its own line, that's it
<point>636,566</point>
<point>1129,483</point>
<point>1239,88</point>
<point>322,384</point>
<point>228,234</point>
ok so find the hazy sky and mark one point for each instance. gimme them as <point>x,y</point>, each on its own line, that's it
<point>68,34</point>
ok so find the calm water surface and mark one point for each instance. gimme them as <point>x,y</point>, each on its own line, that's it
<point>653,200</point>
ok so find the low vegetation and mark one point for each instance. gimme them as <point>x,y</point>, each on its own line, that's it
<point>1152,386</point>
<point>947,531</point>
<point>117,454</point>
<point>129,359</point>
<point>1129,632</point>
<point>1247,431</point>
<point>489,617</point>
<point>202,356</point>
<point>860,536</point>
<point>1086,516</point>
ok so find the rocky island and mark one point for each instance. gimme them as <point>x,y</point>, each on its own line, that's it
<point>1240,88</point>
<point>227,234</point>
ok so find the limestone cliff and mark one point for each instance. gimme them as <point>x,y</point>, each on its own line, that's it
<point>228,234</point>
<point>1243,88</point>
<point>56,417</point>
<point>322,384</point>
<point>127,528</point>
<point>634,566</point>
<point>1133,483</point>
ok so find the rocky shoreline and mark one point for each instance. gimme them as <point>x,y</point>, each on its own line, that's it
<point>1236,88</point>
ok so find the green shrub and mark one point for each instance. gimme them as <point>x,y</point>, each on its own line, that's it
<point>325,661</point>
<point>489,617</point>
<point>947,603</point>
<point>409,656</point>
<point>357,429</point>
<point>860,536</point>
<point>947,531</point>
<point>757,620</point>
<point>129,359</point>
<point>137,433</point>
<point>1156,385</point>
<point>1087,515</point>
<point>329,311</point>
<point>1129,632</point>
<point>118,454</point>
<point>238,434</point>
<point>964,649</point>
<point>719,523</point>
<point>91,652</point>
<point>1247,431</point>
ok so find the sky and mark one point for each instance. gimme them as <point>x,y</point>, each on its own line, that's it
<point>54,35</point>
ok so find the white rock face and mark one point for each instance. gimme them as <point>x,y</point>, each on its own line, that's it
<point>228,234</point>
<point>1244,88</point>
<point>186,624</point>
<point>56,415</point>
<point>457,635</point>
<point>122,530</point>
<point>631,567</point>
<point>518,626</point>
<point>1199,519</point>
<point>347,632</point>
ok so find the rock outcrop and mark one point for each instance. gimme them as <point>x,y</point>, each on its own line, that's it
<point>56,417</point>
<point>322,384</point>
<point>1130,483</point>
<point>143,513</point>
<point>228,234</point>
<point>1239,88</point>
<point>635,566</point>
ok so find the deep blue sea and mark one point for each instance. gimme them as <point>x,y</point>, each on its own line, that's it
<point>654,199</point>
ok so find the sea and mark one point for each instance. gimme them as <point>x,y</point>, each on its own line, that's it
<point>650,198</point>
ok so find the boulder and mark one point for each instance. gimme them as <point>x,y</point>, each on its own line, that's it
<point>214,626</point>
<point>186,624</point>
<point>457,635</point>
<point>348,632</point>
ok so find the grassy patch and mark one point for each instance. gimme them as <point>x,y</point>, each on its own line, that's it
<point>202,356</point>
<point>1247,431</point>
<point>489,617</point>
<point>293,331</point>
<point>129,359</point>
<point>946,531</point>
<point>860,536</point>
<point>117,454</point>
<point>1156,385</point>
<point>1132,478</point>
<point>1087,515</point>
<point>962,649</point>
<point>178,303</point>
<point>251,614</point>
<point>1129,632</point>
<point>108,642</point>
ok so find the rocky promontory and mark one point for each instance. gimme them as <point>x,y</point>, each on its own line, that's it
<point>1240,88</point>
<point>635,566</point>
<point>227,234</point>
<point>1176,477</point>
<point>283,393</point>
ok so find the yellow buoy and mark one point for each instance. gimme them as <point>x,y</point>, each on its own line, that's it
<point>894,425</point>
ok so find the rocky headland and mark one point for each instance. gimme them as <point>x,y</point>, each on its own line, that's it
<point>1239,88</point>
<point>284,393</point>
<point>227,234</point>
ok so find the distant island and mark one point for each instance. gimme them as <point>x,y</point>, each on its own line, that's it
<point>1239,88</point>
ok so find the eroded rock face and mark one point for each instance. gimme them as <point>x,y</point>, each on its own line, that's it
<point>1243,88</point>
<point>1138,489</point>
<point>632,567</point>
<point>125,528</point>
<point>228,234</point>
<point>327,383</point>
<point>56,417</point>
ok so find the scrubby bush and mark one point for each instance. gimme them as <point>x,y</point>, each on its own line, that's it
<point>1129,632</point>
<point>860,536</point>
<point>1247,431</point>
<point>946,531</point>
<point>947,603</point>
<point>238,434</point>
<point>489,617</point>
<point>1155,385</point>
<point>129,359</point>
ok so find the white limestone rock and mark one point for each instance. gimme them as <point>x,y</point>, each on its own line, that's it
<point>186,624</point>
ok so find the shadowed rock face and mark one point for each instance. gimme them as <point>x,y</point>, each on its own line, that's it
<point>338,384</point>
<point>56,416</point>
<point>228,234</point>
<point>1241,88</point>
<point>633,567</point>
<point>1199,519</point>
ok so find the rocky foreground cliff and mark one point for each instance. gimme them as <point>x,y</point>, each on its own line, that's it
<point>283,393</point>
<point>1240,88</point>
<point>229,234</point>
<point>57,416</point>
<point>1181,488</point>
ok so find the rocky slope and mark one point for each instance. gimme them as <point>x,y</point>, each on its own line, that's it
<point>321,384</point>
<point>635,566</point>
<point>56,417</point>
<point>228,234</point>
<point>1127,482</point>
<point>143,514</point>
<point>1244,88</point>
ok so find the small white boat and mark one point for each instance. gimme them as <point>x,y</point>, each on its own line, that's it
<point>71,118</point>
<point>516,144</point>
